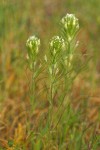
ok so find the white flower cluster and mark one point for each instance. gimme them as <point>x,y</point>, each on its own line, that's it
<point>33,44</point>
<point>71,25</point>
<point>57,43</point>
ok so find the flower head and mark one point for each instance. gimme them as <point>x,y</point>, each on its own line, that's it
<point>33,45</point>
<point>71,26</point>
<point>57,43</point>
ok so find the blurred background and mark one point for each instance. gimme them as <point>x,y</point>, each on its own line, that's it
<point>20,19</point>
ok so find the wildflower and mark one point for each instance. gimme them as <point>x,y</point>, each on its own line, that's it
<point>56,44</point>
<point>70,25</point>
<point>33,46</point>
